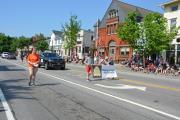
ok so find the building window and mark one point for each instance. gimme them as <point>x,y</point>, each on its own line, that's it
<point>79,36</point>
<point>124,50</point>
<point>111,29</point>
<point>115,28</point>
<point>173,23</point>
<point>92,38</point>
<point>112,13</point>
<point>79,49</point>
<point>139,19</point>
<point>108,29</point>
<point>78,42</point>
<point>178,40</point>
<point>178,47</point>
<point>174,8</point>
<point>112,51</point>
<point>172,48</point>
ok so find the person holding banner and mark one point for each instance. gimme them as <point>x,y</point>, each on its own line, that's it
<point>88,62</point>
<point>111,61</point>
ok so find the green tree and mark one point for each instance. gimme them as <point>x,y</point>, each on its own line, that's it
<point>42,45</point>
<point>5,42</point>
<point>129,31</point>
<point>70,31</point>
<point>23,42</point>
<point>150,36</point>
<point>40,37</point>
<point>13,46</point>
<point>157,36</point>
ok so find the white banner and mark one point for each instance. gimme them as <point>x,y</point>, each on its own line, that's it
<point>108,71</point>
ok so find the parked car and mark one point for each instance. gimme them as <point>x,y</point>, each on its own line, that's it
<point>4,54</point>
<point>11,56</point>
<point>52,60</point>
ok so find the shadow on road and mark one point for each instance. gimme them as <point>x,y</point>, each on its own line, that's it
<point>13,89</point>
<point>2,109</point>
<point>59,69</point>
<point>48,84</point>
<point>10,68</point>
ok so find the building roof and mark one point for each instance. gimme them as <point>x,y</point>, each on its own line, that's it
<point>123,10</point>
<point>170,2</point>
<point>57,33</point>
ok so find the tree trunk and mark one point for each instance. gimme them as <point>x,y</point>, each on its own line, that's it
<point>144,62</point>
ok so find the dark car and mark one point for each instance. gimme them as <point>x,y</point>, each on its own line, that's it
<point>11,56</point>
<point>52,60</point>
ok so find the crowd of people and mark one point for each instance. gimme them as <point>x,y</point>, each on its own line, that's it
<point>158,66</point>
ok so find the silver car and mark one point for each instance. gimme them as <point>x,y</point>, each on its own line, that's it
<point>4,54</point>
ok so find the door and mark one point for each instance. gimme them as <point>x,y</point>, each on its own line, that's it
<point>112,49</point>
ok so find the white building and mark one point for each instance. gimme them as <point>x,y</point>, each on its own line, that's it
<point>172,13</point>
<point>56,41</point>
<point>84,41</point>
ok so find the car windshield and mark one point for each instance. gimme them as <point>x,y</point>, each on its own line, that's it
<point>5,52</point>
<point>51,55</point>
<point>11,54</point>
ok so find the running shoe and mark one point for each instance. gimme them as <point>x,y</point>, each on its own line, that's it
<point>30,84</point>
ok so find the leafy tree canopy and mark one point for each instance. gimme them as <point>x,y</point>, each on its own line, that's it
<point>151,35</point>
<point>5,42</point>
<point>70,31</point>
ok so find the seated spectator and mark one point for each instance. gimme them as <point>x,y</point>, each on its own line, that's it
<point>164,67</point>
<point>151,67</point>
<point>159,69</point>
<point>178,72</point>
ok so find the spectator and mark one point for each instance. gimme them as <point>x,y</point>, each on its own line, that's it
<point>111,61</point>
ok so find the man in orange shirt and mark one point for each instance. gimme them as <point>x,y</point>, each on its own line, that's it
<point>33,63</point>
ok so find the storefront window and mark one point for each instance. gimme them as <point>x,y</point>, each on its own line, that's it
<point>178,57</point>
<point>178,47</point>
<point>178,40</point>
<point>172,47</point>
<point>124,50</point>
<point>79,49</point>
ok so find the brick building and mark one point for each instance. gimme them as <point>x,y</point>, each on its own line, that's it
<point>107,41</point>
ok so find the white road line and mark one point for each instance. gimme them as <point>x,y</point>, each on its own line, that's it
<point>110,95</point>
<point>6,106</point>
<point>122,86</point>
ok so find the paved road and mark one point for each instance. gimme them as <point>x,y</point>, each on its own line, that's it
<point>65,95</point>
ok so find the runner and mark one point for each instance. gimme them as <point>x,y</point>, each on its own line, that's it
<point>22,56</point>
<point>33,60</point>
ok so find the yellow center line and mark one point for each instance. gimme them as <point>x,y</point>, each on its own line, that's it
<point>151,85</point>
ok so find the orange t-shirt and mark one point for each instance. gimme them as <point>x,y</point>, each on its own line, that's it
<point>33,58</point>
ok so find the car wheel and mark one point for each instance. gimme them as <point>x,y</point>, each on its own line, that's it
<point>39,66</point>
<point>63,68</point>
<point>46,66</point>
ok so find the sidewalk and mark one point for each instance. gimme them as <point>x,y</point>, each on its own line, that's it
<point>126,71</point>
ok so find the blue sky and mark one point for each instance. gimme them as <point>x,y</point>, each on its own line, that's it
<point>28,17</point>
